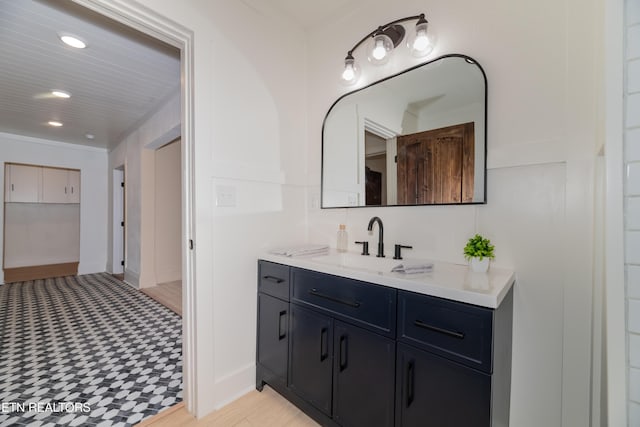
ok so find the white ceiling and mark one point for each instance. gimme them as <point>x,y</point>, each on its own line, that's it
<point>118,80</point>
<point>114,83</point>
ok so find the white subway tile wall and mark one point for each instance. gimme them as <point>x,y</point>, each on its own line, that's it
<point>633,178</point>
<point>632,145</point>
<point>634,414</point>
<point>632,218</point>
<point>633,76</point>
<point>633,109</point>
<point>634,384</point>
<point>633,281</point>
<point>632,203</point>
<point>634,351</point>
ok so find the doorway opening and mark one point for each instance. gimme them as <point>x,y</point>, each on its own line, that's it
<point>163,261</point>
<point>158,27</point>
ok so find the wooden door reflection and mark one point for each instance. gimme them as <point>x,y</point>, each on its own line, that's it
<point>436,166</point>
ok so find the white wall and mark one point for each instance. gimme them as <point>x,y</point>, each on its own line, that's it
<point>138,160</point>
<point>168,213</point>
<point>41,234</point>
<point>632,204</point>
<point>250,137</point>
<point>542,120</point>
<point>93,178</point>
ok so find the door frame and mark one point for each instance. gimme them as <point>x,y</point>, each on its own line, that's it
<point>119,214</point>
<point>161,28</point>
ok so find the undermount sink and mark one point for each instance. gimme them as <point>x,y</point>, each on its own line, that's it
<point>361,262</point>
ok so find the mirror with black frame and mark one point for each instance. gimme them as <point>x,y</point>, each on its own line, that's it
<point>416,138</point>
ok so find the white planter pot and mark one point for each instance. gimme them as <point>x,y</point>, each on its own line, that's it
<point>478,266</point>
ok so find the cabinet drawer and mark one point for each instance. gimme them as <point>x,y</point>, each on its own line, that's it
<point>371,306</point>
<point>457,331</point>
<point>273,279</point>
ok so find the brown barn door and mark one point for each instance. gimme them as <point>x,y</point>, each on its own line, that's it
<point>436,166</point>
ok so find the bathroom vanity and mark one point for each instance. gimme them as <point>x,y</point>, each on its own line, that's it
<point>352,344</point>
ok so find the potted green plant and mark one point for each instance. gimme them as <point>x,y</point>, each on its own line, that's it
<point>479,251</point>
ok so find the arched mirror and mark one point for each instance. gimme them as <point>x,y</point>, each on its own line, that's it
<point>416,138</point>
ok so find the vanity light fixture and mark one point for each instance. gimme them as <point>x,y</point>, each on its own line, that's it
<point>386,38</point>
<point>54,123</point>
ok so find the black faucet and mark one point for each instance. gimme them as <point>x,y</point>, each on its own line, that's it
<point>380,235</point>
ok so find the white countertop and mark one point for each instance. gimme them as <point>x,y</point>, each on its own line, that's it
<point>447,280</point>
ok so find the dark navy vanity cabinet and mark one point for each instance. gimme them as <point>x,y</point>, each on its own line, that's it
<point>342,354</point>
<point>351,353</point>
<point>272,344</point>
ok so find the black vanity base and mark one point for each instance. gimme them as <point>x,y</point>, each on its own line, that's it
<point>355,354</point>
<point>266,377</point>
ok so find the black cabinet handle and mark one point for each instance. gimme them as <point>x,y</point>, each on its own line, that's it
<point>315,292</point>
<point>455,334</point>
<point>324,351</point>
<point>282,335</point>
<point>343,352</point>
<point>273,279</point>
<point>410,382</point>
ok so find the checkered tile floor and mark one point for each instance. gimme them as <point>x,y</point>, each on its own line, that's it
<point>85,351</point>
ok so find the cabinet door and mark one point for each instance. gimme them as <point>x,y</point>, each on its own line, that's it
<point>73,186</point>
<point>311,361</point>
<point>22,183</point>
<point>273,325</point>
<point>433,391</point>
<point>364,377</point>
<point>54,185</point>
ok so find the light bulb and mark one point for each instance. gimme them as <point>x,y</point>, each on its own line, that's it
<point>379,52</point>
<point>422,41</point>
<point>379,49</point>
<point>348,73</point>
<point>351,72</point>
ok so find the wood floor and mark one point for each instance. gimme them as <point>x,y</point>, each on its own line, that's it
<point>168,294</point>
<point>263,409</point>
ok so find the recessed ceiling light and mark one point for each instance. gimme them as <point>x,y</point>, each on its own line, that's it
<point>90,136</point>
<point>72,41</point>
<point>60,94</point>
<point>54,123</point>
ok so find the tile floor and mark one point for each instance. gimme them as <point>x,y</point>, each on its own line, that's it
<point>85,351</point>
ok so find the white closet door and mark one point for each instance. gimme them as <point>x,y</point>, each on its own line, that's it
<point>22,183</point>
<point>54,185</point>
<point>73,183</point>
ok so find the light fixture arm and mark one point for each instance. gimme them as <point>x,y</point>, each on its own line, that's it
<point>381,29</point>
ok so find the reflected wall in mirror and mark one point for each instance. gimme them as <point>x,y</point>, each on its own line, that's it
<point>416,138</point>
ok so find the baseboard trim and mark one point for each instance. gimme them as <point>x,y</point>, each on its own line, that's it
<point>233,386</point>
<point>33,272</point>
<point>132,278</point>
<point>166,276</point>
